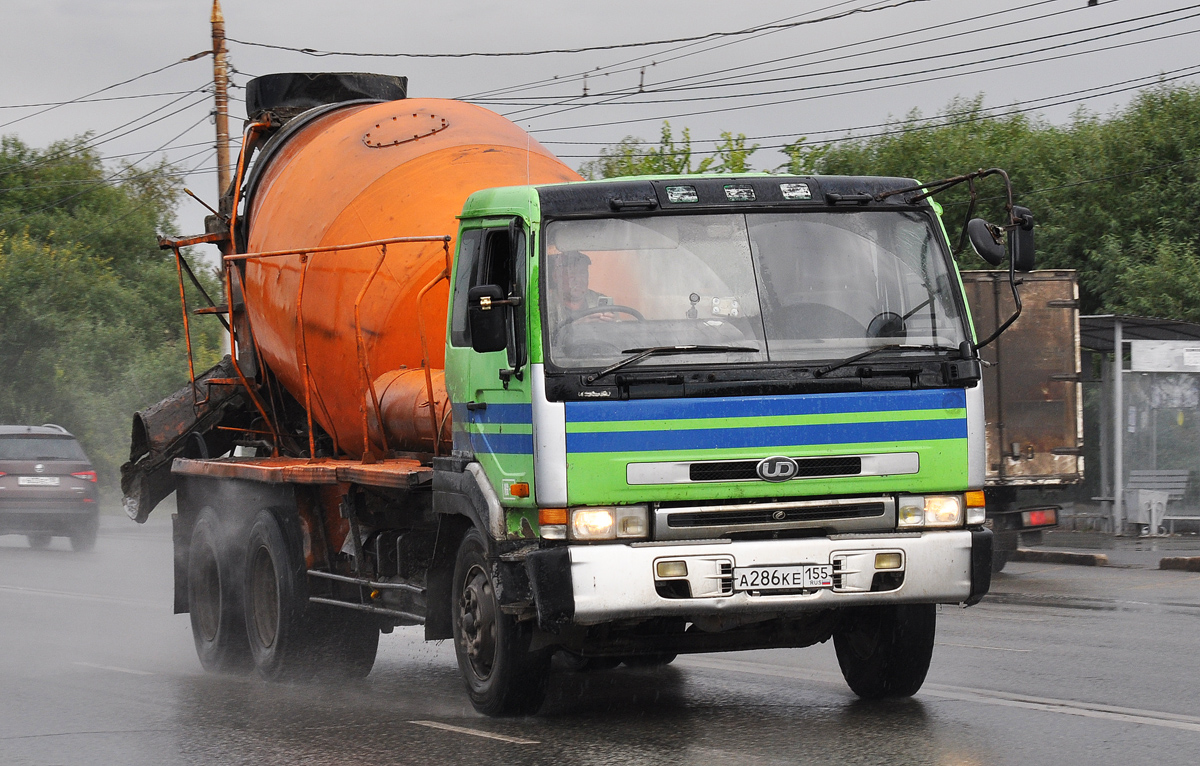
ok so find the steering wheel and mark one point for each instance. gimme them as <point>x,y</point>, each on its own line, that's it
<point>604,310</point>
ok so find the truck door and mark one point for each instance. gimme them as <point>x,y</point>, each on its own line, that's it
<point>491,391</point>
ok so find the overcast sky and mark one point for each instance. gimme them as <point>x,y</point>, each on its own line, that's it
<point>818,79</point>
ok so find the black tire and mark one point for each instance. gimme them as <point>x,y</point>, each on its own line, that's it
<point>284,635</point>
<point>215,597</point>
<point>577,663</point>
<point>503,677</point>
<point>999,559</point>
<point>83,539</point>
<point>38,542</point>
<point>347,643</point>
<point>884,651</point>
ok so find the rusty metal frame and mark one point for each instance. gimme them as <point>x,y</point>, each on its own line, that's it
<point>306,255</point>
<point>430,402</point>
<point>365,367</point>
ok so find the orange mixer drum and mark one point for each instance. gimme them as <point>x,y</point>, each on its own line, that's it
<point>361,173</point>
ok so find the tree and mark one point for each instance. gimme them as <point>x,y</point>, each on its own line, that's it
<point>90,325</point>
<point>633,156</point>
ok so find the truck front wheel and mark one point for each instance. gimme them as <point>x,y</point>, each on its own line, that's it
<point>215,598</point>
<point>884,651</point>
<point>503,677</point>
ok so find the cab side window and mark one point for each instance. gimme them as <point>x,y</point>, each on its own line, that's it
<point>464,269</point>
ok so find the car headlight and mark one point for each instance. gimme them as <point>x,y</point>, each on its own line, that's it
<point>611,523</point>
<point>929,511</point>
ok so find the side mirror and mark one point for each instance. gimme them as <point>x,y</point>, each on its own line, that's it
<point>487,312</point>
<point>986,240</point>
<point>1020,240</point>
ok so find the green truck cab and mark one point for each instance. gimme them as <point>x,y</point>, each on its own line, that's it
<point>711,413</point>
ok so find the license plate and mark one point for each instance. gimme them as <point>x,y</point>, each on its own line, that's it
<point>37,481</point>
<point>783,578</point>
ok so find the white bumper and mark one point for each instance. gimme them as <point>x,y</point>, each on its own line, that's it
<point>614,582</point>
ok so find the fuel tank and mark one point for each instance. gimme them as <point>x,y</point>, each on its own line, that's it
<point>355,173</point>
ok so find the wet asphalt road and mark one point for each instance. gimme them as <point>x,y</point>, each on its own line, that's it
<point>1062,665</point>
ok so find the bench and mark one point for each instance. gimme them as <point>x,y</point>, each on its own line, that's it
<point>1175,484</point>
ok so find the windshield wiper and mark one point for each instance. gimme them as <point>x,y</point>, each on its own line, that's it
<point>645,353</point>
<point>869,352</point>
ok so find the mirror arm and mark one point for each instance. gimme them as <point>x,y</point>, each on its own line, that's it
<point>1012,279</point>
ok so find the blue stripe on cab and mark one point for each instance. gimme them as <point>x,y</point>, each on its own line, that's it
<point>503,444</point>
<point>764,406</point>
<point>503,413</point>
<point>769,436</point>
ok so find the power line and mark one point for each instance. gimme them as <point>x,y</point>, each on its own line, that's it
<point>92,143</point>
<point>585,49</point>
<point>105,88</point>
<point>743,107</point>
<point>103,182</point>
<point>880,78</point>
<point>93,100</point>
<point>990,29</point>
<point>606,70</point>
<point>1168,76</point>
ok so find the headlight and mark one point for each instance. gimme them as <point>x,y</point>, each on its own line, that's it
<point>929,511</point>
<point>616,523</point>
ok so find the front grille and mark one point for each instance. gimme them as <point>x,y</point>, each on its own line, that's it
<point>776,515</point>
<point>747,470</point>
<point>679,520</point>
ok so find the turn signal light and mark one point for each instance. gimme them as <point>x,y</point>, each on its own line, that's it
<point>976,499</point>
<point>86,475</point>
<point>519,489</point>
<point>552,516</point>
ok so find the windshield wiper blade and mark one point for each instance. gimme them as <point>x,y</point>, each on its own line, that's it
<point>645,353</point>
<point>869,352</point>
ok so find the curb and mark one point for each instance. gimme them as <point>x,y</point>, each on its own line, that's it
<point>1181,563</point>
<point>1065,557</point>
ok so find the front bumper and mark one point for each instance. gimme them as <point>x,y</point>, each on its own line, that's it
<point>592,584</point>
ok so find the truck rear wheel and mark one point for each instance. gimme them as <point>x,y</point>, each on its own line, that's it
<point>349,642</point>
<point>884,651</point>
<point>215,598</point>
<point>503,677</point>
<point>283,637</point>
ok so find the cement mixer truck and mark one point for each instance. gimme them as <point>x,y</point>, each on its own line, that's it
<point>612,421</point>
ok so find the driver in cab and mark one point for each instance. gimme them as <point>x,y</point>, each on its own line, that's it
<point>571,298</point>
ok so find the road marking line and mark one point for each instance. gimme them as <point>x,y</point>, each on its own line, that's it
<point>76,596</point>
<point>113,668</point>
<point>476,732</point>
<point>965,694</point>
<point>977,646</point>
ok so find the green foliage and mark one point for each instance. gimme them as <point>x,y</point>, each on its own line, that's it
<point>1114,196</point>
<point>635,157</point>
<point>90,328</point>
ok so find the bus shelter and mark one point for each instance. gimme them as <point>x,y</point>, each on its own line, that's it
<point>1149,418</point>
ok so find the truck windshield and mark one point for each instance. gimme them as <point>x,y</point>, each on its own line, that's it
<point>791,286</point>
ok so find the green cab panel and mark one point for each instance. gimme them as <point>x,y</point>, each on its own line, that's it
<point>632,451</point>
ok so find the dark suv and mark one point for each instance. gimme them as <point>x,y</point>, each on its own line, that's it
<point>47,487</point>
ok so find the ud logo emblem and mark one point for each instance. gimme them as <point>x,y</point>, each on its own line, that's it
<point>777,468</point>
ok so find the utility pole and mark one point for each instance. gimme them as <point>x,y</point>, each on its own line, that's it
<point>221,97</point>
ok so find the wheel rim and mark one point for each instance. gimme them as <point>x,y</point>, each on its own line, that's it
<point>206,595</point>
<point>265,598</point>
<point>477,622</point>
